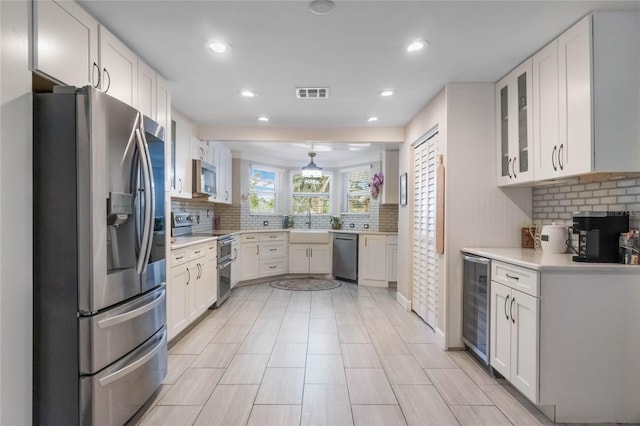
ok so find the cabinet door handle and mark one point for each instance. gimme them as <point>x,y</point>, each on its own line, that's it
<point>553,158</point>
<point>306,252</point>
<point>93,74</point>
<point>560,156</point>
<point>180,190</point>
<point>311,251</point>
<point>513,319</point>
<point>257,249</point>
<point>506,300</point>
<point>188,278</point>
<point>509,168</point>
<point>365,241</point>
<point>514,168</point>
<point>235,253</point>
<point>512,277</point>
<point>226,195</point>
<point>105,72</point>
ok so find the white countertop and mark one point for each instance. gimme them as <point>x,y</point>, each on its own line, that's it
<point>536,259</point>
<point>188,240</point>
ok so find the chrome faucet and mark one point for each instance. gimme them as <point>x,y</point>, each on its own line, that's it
<point>308,222</point>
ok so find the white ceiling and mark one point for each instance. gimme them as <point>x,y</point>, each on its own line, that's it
<point>357,50</point>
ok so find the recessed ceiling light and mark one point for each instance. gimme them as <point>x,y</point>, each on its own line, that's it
<point>416,45</point>
<point>321,7</point>
<point>263,118</point>
<point>372,119</point>
<point>386,93</point>
<point>247,94</point>
<point>219,47</point>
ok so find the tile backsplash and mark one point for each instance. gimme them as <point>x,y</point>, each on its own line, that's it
<point>557,202</point>
<point>202,211</point>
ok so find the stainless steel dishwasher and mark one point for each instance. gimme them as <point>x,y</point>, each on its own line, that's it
<point>345,256</point>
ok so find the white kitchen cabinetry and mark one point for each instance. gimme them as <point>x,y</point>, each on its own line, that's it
<point>65,43</point>
<point>390,169</point>
<point>514,327</point>
<point>310,258</point>
<point>181,181</point>
<point>514,126</point>
<point>372,260</point>
<point>586,98</point>
<point>392,258</point>
<point>221,159</point>
<point>147,90</point>
<point>192,287</point>
<point>119,68</point>
<point>163,117</point>
<point>264,255</point>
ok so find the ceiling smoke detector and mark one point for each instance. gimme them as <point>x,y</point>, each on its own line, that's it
<point>321,7</point>
<point>312,92</point>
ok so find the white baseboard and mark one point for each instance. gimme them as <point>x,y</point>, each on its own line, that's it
<point>440,339</point>
<point>403,301</point>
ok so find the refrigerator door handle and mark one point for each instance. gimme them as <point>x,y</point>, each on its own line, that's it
<point>118,319</point>
<point>131,367</point>
<point>144,247</point>
<point>150,189</point>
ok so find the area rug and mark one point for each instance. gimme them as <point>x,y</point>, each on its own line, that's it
<point>305,284</point>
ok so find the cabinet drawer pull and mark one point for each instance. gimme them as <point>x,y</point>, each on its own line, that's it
<point>273,236</point>
<point>273,249</point>
<point>179,257</point>
<point>553,158</point>
<point>197,252</point>
<point>506,300</point>
<point>513,277</point>
<point>513,299</point>
<point>272,267</point>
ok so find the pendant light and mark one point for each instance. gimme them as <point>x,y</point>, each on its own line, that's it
<point>311,169</point>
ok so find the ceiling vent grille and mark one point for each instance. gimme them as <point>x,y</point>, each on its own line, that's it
<point>312,92</point>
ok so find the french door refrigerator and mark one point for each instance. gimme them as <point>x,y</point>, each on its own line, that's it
<point>100,347</point>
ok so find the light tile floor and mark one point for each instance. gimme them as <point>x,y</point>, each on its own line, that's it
<point>345,356</point>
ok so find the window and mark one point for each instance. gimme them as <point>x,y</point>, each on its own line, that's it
<point>262,190</point>
<point>310,194</point>
<point>357,190</point>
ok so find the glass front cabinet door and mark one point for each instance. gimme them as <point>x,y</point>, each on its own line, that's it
<point>514,126</point>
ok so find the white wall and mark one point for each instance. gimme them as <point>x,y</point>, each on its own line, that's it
<point>288,134</point>
<point>16,288</point>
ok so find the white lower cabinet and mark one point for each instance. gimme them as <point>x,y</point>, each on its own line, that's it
<point>514,336</point>
<point>263,255</point>
<point>310,258</point>
<point>192,287</point>
<point>372,260</point>
<point>392,258</point>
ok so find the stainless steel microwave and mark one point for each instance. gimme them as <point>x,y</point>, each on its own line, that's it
<point>204,179</point>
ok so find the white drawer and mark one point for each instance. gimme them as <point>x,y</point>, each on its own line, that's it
<point>516,277</point>
<point>200,250</point>
<point>250,238</point>
<point>273,250</point>
<point>211,247</point>
<point>273,267</point>
<point>178,257</point>
<point>273,236</point>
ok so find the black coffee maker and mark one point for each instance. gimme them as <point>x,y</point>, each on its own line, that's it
<point>598,235</point>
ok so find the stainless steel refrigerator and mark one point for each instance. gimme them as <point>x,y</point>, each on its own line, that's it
<point>100,347</point>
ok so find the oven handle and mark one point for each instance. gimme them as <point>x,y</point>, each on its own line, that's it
<point>225,264</point>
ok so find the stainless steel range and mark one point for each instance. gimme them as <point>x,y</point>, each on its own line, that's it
<point>182,225</point>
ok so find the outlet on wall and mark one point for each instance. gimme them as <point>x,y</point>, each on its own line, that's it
<point>366,226</point>
<point>265,223</point>
<point>351,225</point>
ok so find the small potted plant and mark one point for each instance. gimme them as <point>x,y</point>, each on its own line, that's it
<point>335,221</point>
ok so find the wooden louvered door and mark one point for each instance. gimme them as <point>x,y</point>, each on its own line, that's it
<point>425,267</point>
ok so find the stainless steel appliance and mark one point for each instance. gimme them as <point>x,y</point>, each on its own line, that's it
<point>100,348</point>
<point>476,296</point>
<point>203,179</point>
<point>345,256</point>
<point>598,235</point>
<point>225,263</point>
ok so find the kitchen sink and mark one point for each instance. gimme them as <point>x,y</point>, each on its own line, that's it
<point>309,236</point>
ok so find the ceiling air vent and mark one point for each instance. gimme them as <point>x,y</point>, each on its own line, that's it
<point>312,92</point>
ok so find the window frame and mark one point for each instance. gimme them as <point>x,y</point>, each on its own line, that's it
<point>346,193</point>
<point>330,195</point>
<point>277,184</point>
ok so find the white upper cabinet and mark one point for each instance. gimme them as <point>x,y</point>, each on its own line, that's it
<point>223,163</point>
<point>119,68</point>
<point>65,43</point>
<point>390,169</point>
<point>586,98</point>
<point>181,158</point>
<point>514,126</point>
<point>147,90</point>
